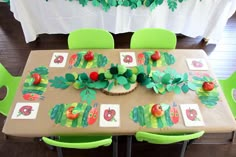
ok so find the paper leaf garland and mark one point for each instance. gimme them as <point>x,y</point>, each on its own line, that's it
<point>166,59</point>
<point>152,4</point>
<point>87,114</point>
<point>143,116</point>
<point>77,60</point>
<point>33,92</point>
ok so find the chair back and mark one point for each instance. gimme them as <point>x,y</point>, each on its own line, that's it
<point>11,83</point>
<point>153,38</point>
<point>79,142</point>
<point>90,38</point>
<point>228,86</point>
<point>166,139</point>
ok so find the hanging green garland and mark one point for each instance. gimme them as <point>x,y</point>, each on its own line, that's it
<point>152,4</point>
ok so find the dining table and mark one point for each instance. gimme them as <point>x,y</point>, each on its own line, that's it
<point>192,18</point>
<point>41,108</point>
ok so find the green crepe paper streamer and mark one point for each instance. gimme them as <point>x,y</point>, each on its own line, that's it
<point>98,84</point>
<point>59,82</point>
<point>110,85</point>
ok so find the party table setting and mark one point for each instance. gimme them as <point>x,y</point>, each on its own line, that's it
<point>117,92</point>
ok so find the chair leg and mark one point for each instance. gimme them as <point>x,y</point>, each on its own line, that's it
<point>184,148</point>
<point>115,146</point>
<point>59,152</point>
<point>129,146</point>
<point>233,137</point>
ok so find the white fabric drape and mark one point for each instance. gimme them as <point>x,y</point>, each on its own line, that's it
<point>191,18</point>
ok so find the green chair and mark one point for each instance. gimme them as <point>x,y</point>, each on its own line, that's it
<point>11,83</point>
<point>153,38</point>
<point>88,38</point>
<point>166,139</point>
<point>78,142</point>
<point>228,86</point>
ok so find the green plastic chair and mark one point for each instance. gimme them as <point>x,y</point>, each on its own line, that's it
<point>11,83</point>
<point>153,38</point>
<point>228,85</point>
<point>90,38</point>
<point>77,142</point>
<point>166,139</point>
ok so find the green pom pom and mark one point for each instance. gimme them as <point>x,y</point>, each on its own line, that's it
<point>133,78</point>
<point>134,70</point>
<point>121,69</point>
<point>101,77</point>
<point>83,77</point>
<point>114,70</point>
<point>128,73</point>
<point>108,75</point>
<point>146,81</point>
<point>141,77</point>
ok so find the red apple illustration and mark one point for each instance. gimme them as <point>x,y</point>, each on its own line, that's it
<point>25,110</point>
<point>197,63</point>
<point>208,86</point>
<point>89,56</point>
<point>58,59</point>
<point>109,114</point>
<point>128,59</point>
<point>156,56</point>
<point>71,115</point>
<point>191,114</point>
<point>157,110</point>
<point>37,78</point>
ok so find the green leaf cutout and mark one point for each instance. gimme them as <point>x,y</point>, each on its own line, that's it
<point>59,82</point>
<point>88,95</point>
<point>122,80</point>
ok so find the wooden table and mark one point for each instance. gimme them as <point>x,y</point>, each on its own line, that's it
<point>217,120</point>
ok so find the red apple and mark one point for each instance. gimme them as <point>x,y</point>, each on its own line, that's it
<point>37,78</point>
<point>89,56</point>
<point>157,110</point>
<point>208,86</point>
<point>156,56</point>
<point>71,115</point>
